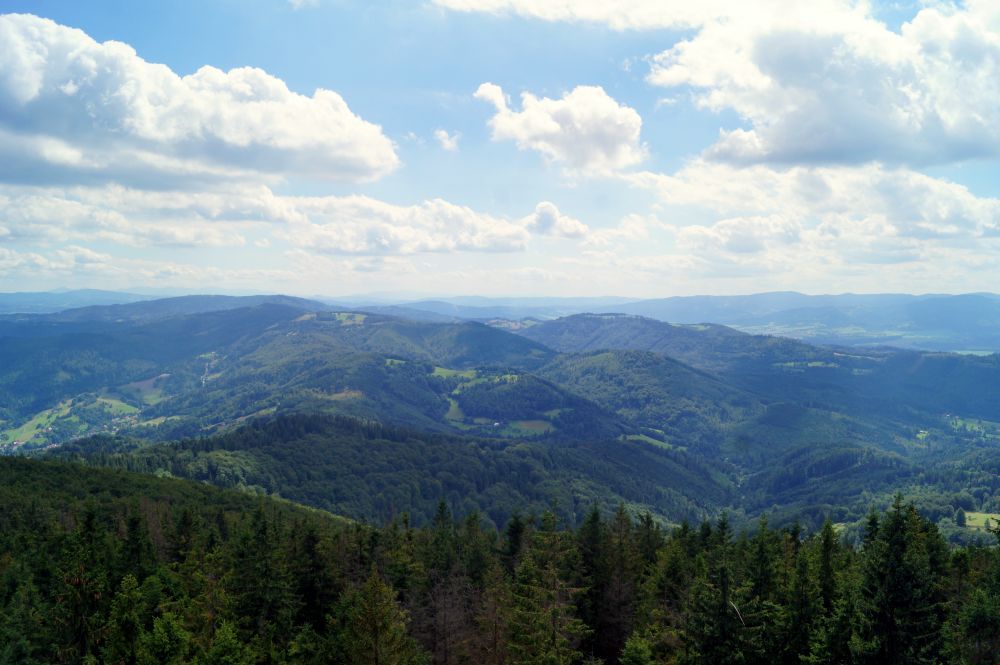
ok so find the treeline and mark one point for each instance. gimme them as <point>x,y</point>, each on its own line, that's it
<point>107,567</point>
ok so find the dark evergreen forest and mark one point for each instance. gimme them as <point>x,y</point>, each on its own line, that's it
<point>102,566</point>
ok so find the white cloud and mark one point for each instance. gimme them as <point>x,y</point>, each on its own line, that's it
<point>741,235</point>
<point>362,225</point>
<point>630,228</point>
<point>114,214</point>
<point>818,82</point>
<point>840,87</point>
<point>338,225</point>
<point>618,14</point>
<point>75,264</point>
<point>78,110</point>
<point>448,141</point>
<point>547,220</point>
<point>804,219</point>
<point>303,4</point>
<point>921,206</point>
<point>586,130</point>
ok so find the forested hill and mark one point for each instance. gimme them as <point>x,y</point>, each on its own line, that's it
<point>780,368</point>
<point>108,567</point>
<point>371,472</point>
<point>696,420</point>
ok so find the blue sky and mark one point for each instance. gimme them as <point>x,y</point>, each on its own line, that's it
<point>500,147</point>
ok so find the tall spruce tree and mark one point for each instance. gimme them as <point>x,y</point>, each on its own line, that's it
<point>902,591</point>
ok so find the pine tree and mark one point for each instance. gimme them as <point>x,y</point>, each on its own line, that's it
<point>827,576</point>
<point>226,648</point>
<point>545,629</point>
<point>167,644</point>
<point>715,629</point>
<point>592,544</point>
<point>82,588</point>
<point>802,611</point>
<point>902,599</point>
<point>22,634</point>
<point>624,569</point>
<point>260,584</point>
<point>374,630</point>
<point>637,651</point>
<point>125,624</point>
<point>494,618</point>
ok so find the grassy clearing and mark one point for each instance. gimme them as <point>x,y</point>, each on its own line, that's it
<point>647,439</point>
<point>977,521</point>
<point>497,378</point>
<point>117,407</point>
<point>148,391</point>
<point>455,413</point>
<point>65,419</point>
<point>344,395</point>
<point>446,373</point>
<point>39,423</point>
<point>350,318</point>
<point>528,427</point>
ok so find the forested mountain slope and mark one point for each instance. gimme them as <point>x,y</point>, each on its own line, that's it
<point>371,472</point>
<point>764,423</point>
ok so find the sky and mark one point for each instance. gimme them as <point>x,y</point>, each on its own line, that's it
<point>641,148</point>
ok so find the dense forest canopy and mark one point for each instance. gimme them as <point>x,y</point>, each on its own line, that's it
<point>114,567</point>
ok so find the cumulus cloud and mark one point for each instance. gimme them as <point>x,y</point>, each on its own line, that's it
<point>114,214</point>
<point>741,235</point>
<point>841,87</point>
<point>78,110</point>
<point>547,220</point>
<point>362,225</point>
<point>585,130</point>
<point>357,225</point>
<point>630,228</point>
<point>920,205</point>
<point>804,218</point>
<point>448,141</point>
<point>818,82</point>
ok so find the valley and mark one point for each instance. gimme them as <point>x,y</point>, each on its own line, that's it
<point>682,420</point>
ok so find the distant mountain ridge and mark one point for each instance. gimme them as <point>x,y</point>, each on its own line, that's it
<point>939,322</point>
<point>147,310</point>
<point>42,302</point>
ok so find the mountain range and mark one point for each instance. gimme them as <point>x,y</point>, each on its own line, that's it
<point>939,322</point>
<point>367,414</point>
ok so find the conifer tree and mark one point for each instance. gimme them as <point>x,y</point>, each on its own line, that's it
<point>901,600</point>
<point>168,643</point>
<point>375,630</point>
<point>494,618</point>
<point>827,577</point>
<point>545,629</point>
<point>125,624</point>
<point>637,651</point>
